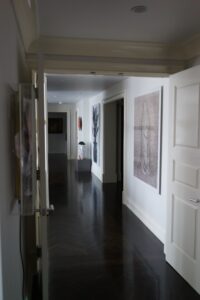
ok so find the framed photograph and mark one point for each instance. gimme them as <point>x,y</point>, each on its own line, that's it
<point>147,138</point>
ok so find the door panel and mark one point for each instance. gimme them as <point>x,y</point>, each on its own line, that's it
<point>187,116</point>
<point>44,182</point>
<point>183,205</point>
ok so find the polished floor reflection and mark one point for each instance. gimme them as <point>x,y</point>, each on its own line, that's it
<point>98,249</point>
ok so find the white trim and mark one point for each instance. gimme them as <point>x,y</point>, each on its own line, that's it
<point>80,47</point>
<point>72,55</point>
<point>146,220</point>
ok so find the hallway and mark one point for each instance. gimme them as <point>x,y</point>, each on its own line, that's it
<point>98,249</point>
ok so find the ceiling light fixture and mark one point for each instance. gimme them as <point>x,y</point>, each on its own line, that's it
<point>59,102</point>
<point>139,9</point>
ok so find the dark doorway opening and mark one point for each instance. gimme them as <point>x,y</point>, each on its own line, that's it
<point>114,142</point>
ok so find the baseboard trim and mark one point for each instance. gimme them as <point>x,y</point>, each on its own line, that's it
<point>148,222</point>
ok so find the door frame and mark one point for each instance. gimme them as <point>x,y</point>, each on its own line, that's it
<point>108,101</point>
<point>121,94</point>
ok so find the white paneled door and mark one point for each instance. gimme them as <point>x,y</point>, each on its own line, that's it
<point>44,206</point>
<point>183,205</point>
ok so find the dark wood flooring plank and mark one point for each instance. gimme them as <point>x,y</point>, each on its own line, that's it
<point>98,249</point>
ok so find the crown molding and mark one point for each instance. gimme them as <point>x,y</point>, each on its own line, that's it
<point>106,66</point>
<point>102,56</point>
<point>105,48</point>
<point>191,47</point>
<point>26,19</point>
<point>87,55</point>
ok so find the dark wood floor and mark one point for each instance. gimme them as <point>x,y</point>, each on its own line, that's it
<point>98,249</point>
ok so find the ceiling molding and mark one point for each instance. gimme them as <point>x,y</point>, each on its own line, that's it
<point>105,48</point>
<point>103,56</point>
<point>26,18</point>
<point>100,65</point>
<point>191,47</point>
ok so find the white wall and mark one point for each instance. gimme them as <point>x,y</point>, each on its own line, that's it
<point>97,168</point>
<point>83,111</point>
<point>71,125</point>
<point>141,198</point>
<point>12,70</point>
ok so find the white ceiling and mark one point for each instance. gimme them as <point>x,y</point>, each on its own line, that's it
<point>74,88</point>
<point>164,21</point>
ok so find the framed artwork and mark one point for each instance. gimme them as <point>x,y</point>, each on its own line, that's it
<point>55,125</point>
<point>147,138</point>
<point>80,123</point>
<point>25,145</point>
<point>96,133</point>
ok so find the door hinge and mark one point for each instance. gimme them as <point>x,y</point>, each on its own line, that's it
<point>38,252</point>
<point>38,174</point>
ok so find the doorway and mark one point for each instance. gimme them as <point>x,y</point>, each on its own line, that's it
<point>113,155</point>
<point>144,201</point>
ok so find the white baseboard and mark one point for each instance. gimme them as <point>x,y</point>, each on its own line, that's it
<point>146,220</point>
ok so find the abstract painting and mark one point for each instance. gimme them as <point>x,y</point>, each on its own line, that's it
<point>147,138</point>
<point>96,133</point>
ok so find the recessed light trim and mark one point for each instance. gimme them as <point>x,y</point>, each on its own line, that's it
<point>139,9</point>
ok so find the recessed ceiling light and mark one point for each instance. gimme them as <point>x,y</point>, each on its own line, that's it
<point>139,9</point>
<point>59,102</point>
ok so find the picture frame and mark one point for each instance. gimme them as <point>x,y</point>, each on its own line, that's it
<point>148,138</point>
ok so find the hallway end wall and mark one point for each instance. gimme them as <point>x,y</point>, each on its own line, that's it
<point>71,125</point>
<point>84,110</point>
<point>83,134</point>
